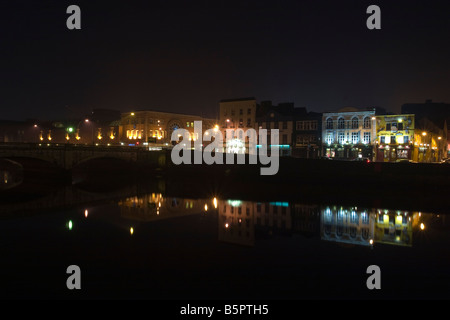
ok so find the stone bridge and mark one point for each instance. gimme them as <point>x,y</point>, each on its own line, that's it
<point>67,156</point>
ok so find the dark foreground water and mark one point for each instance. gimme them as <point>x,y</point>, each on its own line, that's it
<point>145,244</point>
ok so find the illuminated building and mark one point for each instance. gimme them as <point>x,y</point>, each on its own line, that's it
<point>155,128</point>
<point>237,114</point>
<point>348,133</point>
<point>395,137</point>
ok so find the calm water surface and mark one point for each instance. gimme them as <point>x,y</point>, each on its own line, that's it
<point>149,245</point>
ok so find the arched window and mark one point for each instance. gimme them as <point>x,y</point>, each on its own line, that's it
<point>355,123</point>
<point>341,123</point>
<point>329,123</point>
<point>367,123</point>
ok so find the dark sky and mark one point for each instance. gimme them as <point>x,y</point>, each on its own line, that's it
<point>186,56</point>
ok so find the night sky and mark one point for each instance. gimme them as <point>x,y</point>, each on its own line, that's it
<point>186,56</point>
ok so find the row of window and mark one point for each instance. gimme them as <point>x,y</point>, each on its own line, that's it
<point>347,124</point>
<point>342,138</point>
<point>141,120</point>
<point>275,125</point>
<point>240,124</point>
<point>394,139</point>
<point>305,139</point>
<point>139,134</point>
<point>241,112</point>
<point>306,125</point>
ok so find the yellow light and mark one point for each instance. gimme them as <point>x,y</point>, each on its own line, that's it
<point>422,226</point>
<point>371,241</point>
<point>111,137</point>
<point>131,230</point>
<point>216,127</point>
<point>206,207</point>
<point>424,133</point>
<point>373,118</point>
<point>67,136</point>
<point>99,137</point>
<point>439,138</point>
<point>132,113</point>
<point>215,202</point>
<point>86,213</point>
<point>78,137</point>
<point>226,225</point>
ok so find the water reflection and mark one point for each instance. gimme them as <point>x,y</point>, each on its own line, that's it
<point>153,207</point>
<point>367,226</point>
<point>243,222</point>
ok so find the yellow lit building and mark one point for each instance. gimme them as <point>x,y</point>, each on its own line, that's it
<point>395,137</point>
<point>155,128</point>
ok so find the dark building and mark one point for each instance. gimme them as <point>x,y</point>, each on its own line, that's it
<point>434,118</point>
<point>307,134</point>
<point>277,117</point>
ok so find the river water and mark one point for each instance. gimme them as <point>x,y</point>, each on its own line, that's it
<point>139,242</point>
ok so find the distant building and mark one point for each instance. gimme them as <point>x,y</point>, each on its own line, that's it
<point>155,128</point>
<point>349,133</point>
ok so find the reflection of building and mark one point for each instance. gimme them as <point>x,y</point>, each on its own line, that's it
<point>240,220</point>
<point>154,206</point>
<point>155,128</point>
<point>394,227</point>
<point>348,133</point>
<point>236,222</point>
<point>347,225</point>
<point>306,219</point>
<point>395,137</point>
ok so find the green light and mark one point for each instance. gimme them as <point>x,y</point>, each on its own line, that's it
<point>70,225</point>
<point>70,129</point>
